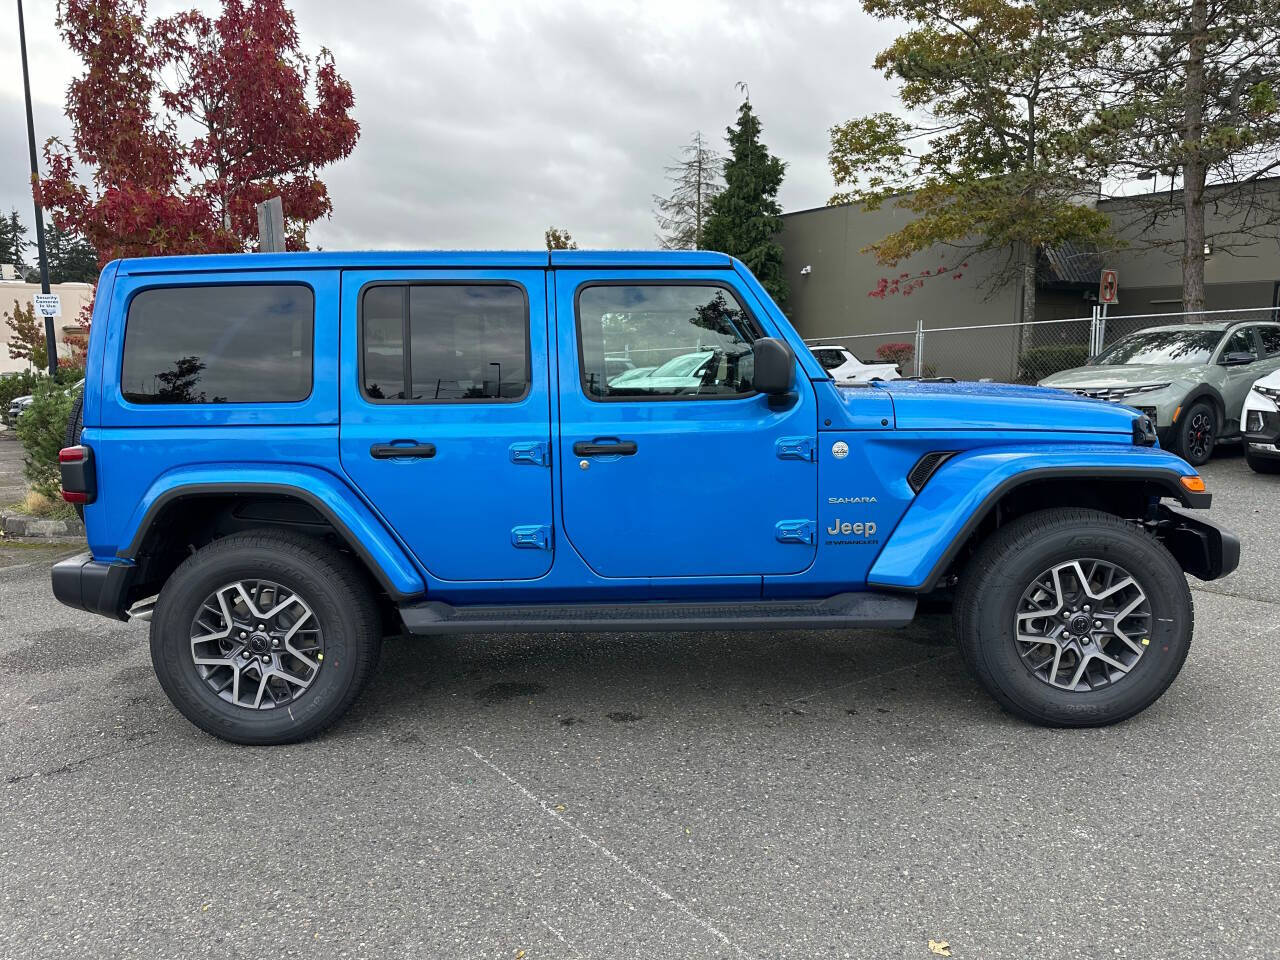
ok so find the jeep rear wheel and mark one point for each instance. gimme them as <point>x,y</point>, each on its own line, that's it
<point>1074,618</point>
<point>265,637</point>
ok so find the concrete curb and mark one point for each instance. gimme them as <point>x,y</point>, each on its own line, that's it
<point>20,525</point>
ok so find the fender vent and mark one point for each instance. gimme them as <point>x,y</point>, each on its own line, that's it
<point>925,468</point>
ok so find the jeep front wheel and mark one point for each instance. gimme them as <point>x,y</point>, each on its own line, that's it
<point>1074,618</point>
<point>264,637</point>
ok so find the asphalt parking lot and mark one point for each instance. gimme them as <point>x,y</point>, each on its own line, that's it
<point>606,796</point>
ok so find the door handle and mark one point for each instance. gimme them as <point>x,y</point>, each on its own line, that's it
<point>598,448</point>
<point>402,448</point>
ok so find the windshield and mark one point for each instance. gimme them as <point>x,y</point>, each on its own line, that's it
<point>1162,346</point>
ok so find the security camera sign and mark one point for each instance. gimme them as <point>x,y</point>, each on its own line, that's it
<point>1109,288</point>
<point>47,304</point>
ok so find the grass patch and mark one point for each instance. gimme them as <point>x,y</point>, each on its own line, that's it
<point>36,504</point>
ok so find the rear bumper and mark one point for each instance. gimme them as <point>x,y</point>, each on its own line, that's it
<point>1203,549</point>
<point>88,584</point>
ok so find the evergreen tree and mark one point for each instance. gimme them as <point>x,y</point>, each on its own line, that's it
<point>695,180</point>
<point>13,240</point>
<point>72,258</point>
<point>745,217</point>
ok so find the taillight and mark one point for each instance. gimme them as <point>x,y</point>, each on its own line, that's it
<point>79,480</point>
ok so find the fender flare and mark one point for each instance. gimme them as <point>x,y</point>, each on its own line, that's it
<point>1215,396</point>
<point>963,491</point>
<point>361,529</point>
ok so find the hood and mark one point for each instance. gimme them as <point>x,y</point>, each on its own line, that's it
<point>1120,375</point>
<point>921,405</point>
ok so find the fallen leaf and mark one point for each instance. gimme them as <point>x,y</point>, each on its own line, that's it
<point>559,808</point>
<point>519,954</point>
<point>940,947</point>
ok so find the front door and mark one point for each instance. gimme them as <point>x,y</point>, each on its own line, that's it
<point>673,465</point>
<point>446,423</point>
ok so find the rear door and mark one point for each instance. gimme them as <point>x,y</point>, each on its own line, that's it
<point>445,410</point>
<point>674,465</point>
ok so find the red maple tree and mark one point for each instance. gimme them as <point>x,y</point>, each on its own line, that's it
<point>184,123</point>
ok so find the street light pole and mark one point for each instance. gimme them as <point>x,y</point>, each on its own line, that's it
<point>50,339</point>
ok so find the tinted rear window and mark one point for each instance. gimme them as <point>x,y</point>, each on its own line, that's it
<point>466,342</point>
<point>219,344</point>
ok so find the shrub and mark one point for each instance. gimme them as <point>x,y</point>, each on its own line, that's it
<point>17,385</point>
<point>42,429</point>
<point>899,353</point>
<point>1040,362</point>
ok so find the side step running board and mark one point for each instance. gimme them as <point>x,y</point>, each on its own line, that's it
<point>846,610</point>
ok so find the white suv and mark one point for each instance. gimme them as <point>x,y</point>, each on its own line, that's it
<point>845,367</point>
<point>1260,424</point>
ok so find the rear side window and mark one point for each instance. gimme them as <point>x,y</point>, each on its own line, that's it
<point>244,343</point>
<point>830,359</point>
<point>466,342</point>
<point>1270,340</point>
<point>658,341</point>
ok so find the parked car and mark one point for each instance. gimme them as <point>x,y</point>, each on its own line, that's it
<point>16,407</point>
<point>330,444</point>
<point>1260,417</point>
<point>844,367</point>
<point>1190,379</point>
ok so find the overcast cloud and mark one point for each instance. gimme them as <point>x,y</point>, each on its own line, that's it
<point>482,123</point>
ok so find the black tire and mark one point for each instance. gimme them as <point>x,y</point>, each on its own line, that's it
<point>75,421</point>
<point>1011,559</point>
<point>343,605</point>
<point>1260,464</point>
<point>75,428</point>
<point>1197,433</point>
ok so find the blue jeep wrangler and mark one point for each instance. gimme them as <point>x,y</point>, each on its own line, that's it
<point>281,458</point>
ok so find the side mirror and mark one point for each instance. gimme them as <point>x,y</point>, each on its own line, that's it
<point>775,367</point>
<point>1237,359</point>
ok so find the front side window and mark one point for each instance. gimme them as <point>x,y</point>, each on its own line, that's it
<point>681,341</point>
<point>465,342</point>
<point>245,343</point>
<point>1241,341</point>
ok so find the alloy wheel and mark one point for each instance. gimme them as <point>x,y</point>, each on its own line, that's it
<point>257,644</point>
<point>1200,435</point>
<point>1082,625</point>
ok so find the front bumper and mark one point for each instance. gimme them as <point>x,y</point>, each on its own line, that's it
<point>88,584</point>
<point>1262,439</point>
<point>1203,549</point>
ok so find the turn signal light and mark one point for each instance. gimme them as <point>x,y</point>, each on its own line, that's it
<point>1194,484</point>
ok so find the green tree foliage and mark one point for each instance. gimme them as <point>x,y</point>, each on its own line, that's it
<point>745,217</point>
<point>42,431</point>
<point>1191,90</point>
<point>13,241</point>
<point>695,180</point>
<point>72,259</point>
<point>560,239</point>
<point>994,93</point>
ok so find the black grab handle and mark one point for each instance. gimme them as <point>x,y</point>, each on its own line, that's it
<point>402,448</point>
<point>591,448</point>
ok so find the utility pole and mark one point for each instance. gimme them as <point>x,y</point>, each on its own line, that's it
<point>50,338</point>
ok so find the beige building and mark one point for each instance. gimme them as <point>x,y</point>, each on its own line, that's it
<point>74,297</point>
<point>832,282</point>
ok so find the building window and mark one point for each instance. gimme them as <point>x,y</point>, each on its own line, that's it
<point>466,342</point>
<point>219,343</point>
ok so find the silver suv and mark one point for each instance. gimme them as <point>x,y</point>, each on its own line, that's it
<point>1190,378</point>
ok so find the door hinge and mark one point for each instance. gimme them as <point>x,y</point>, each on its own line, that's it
<point>536,452</point>
<point>795,531</point>
<point>795,448</point>
<point>531,536</point>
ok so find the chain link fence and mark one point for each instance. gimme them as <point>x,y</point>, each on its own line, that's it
<point>1016,352</point>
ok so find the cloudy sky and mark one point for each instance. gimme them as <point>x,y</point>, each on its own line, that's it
<point>484,122</point>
